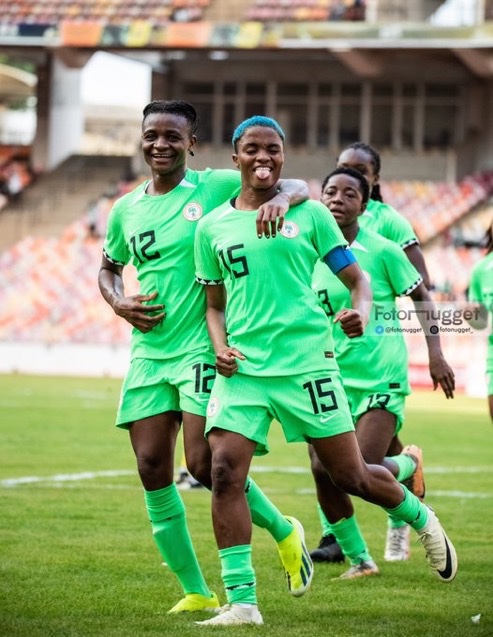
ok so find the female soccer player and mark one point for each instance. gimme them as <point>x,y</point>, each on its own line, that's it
<point>172,362</point>
<point>480,296</point>
<point>374,367</point>
<point>275,360</point>
<point>386,221</point>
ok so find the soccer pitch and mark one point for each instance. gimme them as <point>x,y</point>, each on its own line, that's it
<point>78,559</point>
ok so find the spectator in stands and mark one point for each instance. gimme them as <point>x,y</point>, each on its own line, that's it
<point>376,389</point>
<point>172,361</point>
<point>382,218</point>
<point>275,360</point>
<point>480,295</point>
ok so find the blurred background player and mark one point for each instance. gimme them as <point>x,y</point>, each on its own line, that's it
<point>480,296</point>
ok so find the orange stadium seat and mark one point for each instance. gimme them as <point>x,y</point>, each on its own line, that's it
<point>105,11</point>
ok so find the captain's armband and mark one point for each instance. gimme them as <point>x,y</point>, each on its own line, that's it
<point>339,258</point>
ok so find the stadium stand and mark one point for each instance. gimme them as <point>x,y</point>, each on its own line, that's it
<point>107,11</point>
<point>50,293</point>
<point>305,10</point>
<point>39,295</point>
<point>432,207</point>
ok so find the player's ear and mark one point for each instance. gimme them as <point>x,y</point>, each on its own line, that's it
<point>191,145</point>
<point>236,161</point>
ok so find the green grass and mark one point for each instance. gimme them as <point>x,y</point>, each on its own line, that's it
<point>77,558</point>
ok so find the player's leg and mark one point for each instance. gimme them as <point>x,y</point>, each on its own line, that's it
<point>338,517</point>
<point>342,458</point>
<point>231,457</point>
<point>153,440</point>
<point>376,430</point>
<point>149,409</point>
<point>238,422</point>
<point>287,532</point>
<point>489,381</point>
<point>395,447</point>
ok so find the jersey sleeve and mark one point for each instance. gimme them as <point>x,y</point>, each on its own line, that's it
<point>398,229</point>
<point>115,248</point>
<point>207,268</point>
<point>221,186</point>
<point>400,271</point>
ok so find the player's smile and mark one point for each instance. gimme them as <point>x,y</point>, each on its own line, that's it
<point>165,142</point>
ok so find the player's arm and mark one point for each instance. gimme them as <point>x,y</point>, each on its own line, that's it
<point>440,371</point>
<point>270,218</point>
<point>343,264</point>
<point>134,309</point>
<point>476,315</point>
<point>416,257</point>
<point>225,356</point>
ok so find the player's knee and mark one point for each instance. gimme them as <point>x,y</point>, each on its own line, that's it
<point>154,472</point>
<point>352,482</point>
<point>199,466</point>
<point>225,473</point>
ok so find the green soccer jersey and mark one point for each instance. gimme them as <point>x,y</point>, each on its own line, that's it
<point>272,315</point>
<point>156,234</point>
<point>481,291</point>
<point>378,359</point>
<point>382,218</point>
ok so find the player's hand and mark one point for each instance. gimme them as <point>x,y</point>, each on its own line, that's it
<point>139,313</point>
<point>442,374</point>
<point>270,217</point>
<point>226,361</point>
<point>351,322</point>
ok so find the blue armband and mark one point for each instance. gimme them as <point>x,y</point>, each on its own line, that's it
<point>339,258</point>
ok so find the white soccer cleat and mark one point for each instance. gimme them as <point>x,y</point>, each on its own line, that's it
<point>397,544</point>
<point>363,569</point>
<point>234,615</point>
<point>440,551</point>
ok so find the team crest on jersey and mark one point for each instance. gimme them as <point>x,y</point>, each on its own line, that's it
<point>290,230</point>
<point>212,407</point>
<point>192,211</point>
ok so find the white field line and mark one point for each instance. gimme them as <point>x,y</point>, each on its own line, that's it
<point>62,479</point>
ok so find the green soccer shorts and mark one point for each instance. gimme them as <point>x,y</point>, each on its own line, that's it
<point>361,401</point>
<point>309,405</point>
<point>155,386</point>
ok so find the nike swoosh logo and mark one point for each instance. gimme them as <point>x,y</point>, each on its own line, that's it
<point>447,571</point>
<point>326,418</point>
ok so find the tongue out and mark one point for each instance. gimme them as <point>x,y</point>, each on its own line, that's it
<point>262,173</point>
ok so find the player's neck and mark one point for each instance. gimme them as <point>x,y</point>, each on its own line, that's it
<point>162,184</point>
<point>350,232</point>
<point>251,199</point>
